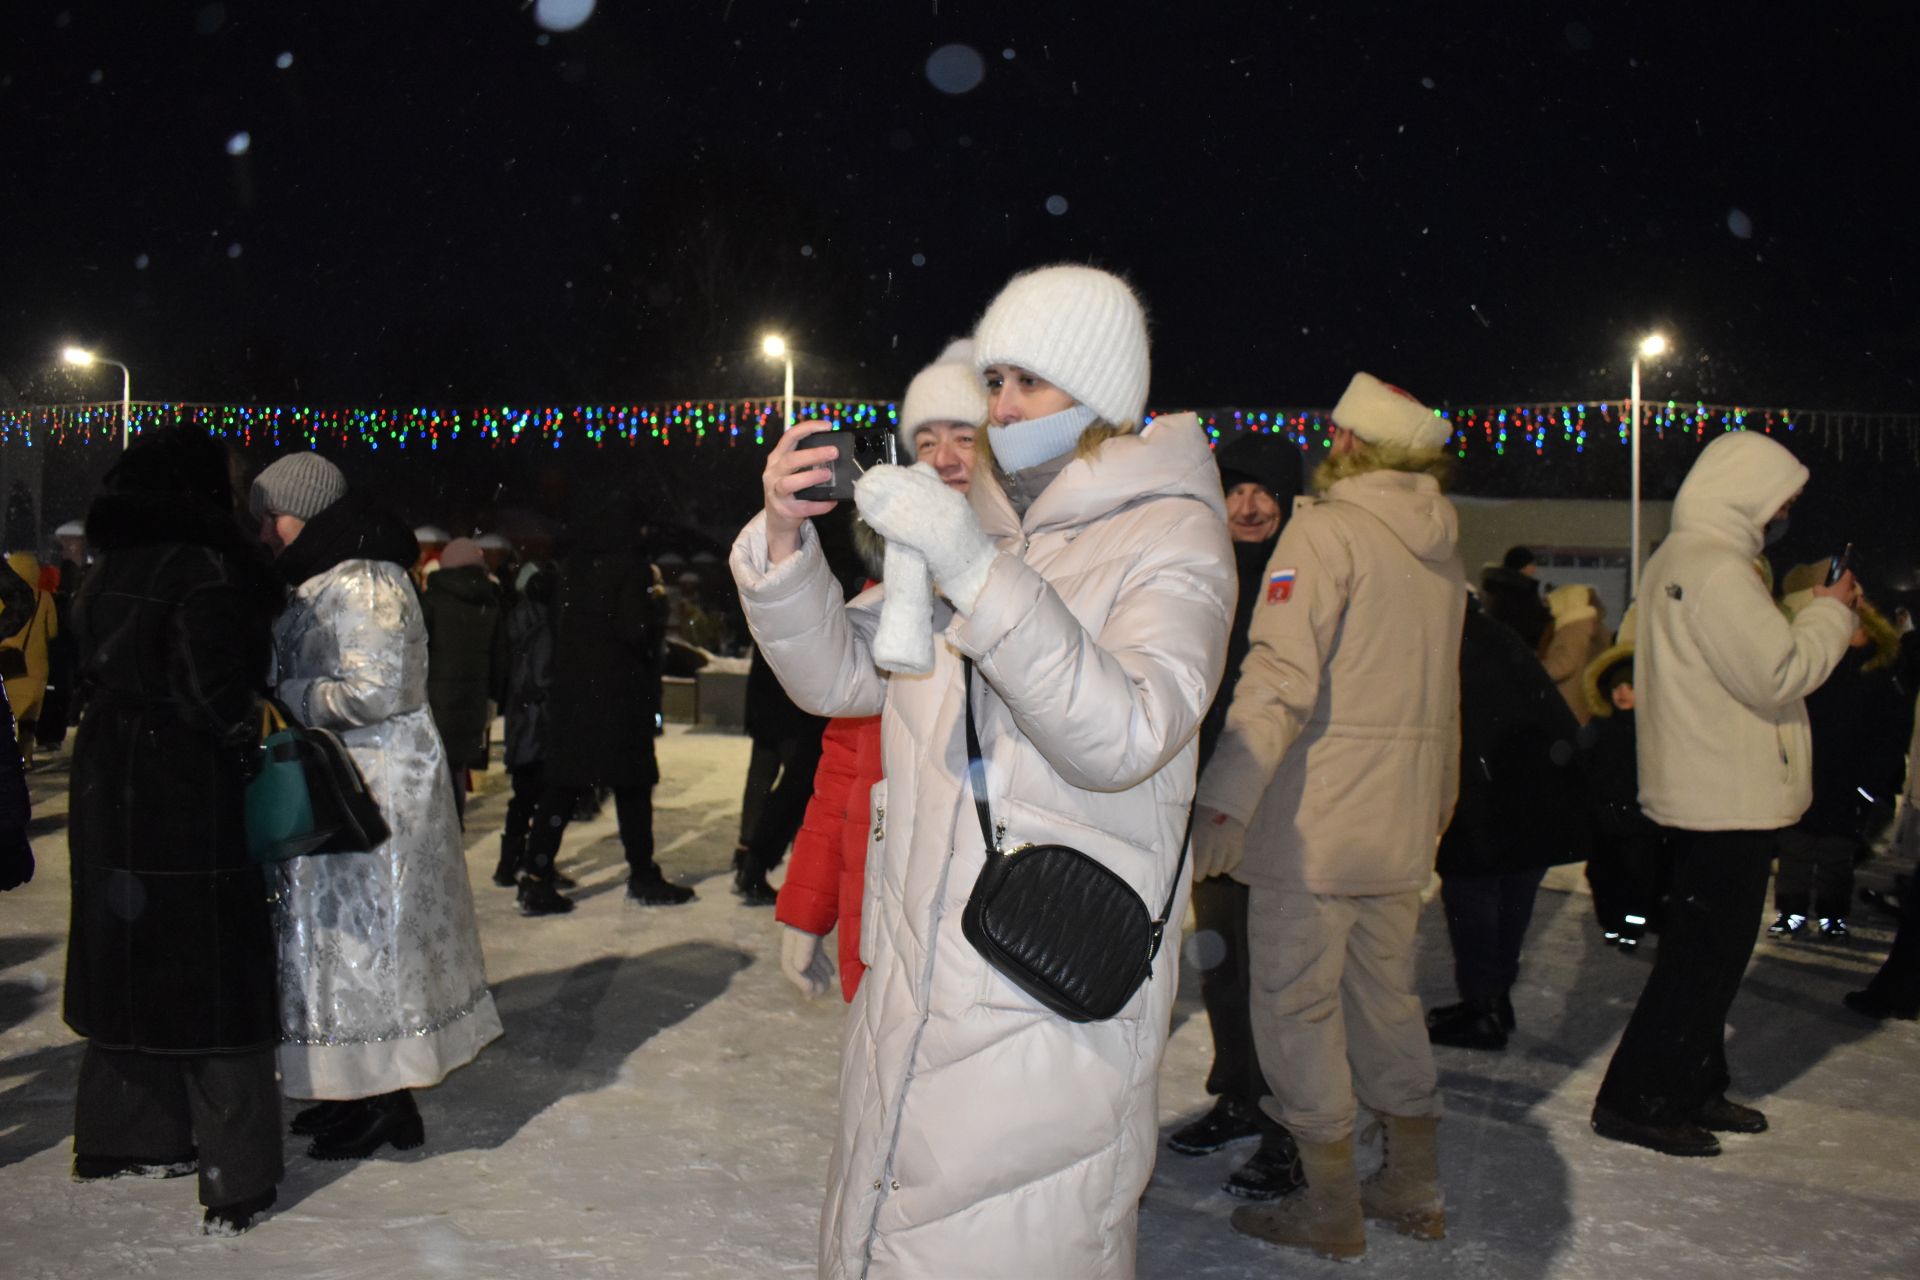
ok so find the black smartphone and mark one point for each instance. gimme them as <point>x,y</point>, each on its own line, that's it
<point>1837,566</point>
<point>857,450</point>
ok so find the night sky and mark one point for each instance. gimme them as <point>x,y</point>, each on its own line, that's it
<point>443,203</point>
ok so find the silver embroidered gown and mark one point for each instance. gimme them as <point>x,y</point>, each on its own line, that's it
<point>382,984</point>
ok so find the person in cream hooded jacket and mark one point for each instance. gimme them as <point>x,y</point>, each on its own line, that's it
<point>1725,759</point>
<point>982,1135</point>
<point>1335,776</point>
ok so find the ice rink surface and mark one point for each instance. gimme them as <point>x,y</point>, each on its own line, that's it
<point>662,1105</point>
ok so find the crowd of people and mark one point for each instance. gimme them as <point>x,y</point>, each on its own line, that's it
<point>1267,694</point>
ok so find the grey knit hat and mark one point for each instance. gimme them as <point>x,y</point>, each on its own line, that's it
<point>300,484</point>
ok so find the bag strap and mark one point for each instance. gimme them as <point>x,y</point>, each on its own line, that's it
<point>977,778</point>
<point>271,721</point>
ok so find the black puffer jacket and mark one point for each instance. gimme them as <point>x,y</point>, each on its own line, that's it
<point>171,948</point>
<point>530,669</point>
<point>1522,796</point>
<point>609,632</point>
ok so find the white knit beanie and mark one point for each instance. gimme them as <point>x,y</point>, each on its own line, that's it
<point>948,390</point>
<point>299,484</point>
<point>1381,413</point>
<point>1080,328</point>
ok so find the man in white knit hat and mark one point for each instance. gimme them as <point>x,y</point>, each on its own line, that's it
<point>945,404</point>
<point>1334,776</point>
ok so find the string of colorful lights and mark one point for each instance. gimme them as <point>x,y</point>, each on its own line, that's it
<point>1499,430</point>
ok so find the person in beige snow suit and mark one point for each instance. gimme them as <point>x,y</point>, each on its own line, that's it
<point>1326,796</point>
<point>1088,576</point>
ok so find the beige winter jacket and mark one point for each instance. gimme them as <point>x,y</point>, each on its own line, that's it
<point>981,1135</point>
<point>1341,751</point>
<point>1719,673</point>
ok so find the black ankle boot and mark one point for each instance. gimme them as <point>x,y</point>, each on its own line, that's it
<point>506,873</point>
<point>389,1118</point>
<point>232,1219</point>
<point>1230,1121</point>
<point>540,898</point>
<point>1471,1024</point>
<point>322,1116</point>
<point>750,882</point>
<point>1269,1173</point>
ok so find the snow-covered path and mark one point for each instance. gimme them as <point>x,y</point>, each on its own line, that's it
<point>662,1106</point>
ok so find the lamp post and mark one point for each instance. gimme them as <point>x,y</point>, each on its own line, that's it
<point>776,347</point>
<point>1651,346</point>
<point>83,357</point>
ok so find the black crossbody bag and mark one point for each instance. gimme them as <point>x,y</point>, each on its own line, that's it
<point>1055,922</point>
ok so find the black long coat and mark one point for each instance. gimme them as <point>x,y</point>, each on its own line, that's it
<point>171,947</point>
<point>466,659</point>
<point>1522,795</point>
<point>609,631</point>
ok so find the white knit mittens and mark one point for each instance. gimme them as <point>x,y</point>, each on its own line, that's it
<point>903,642</point>
<point>915,512</point>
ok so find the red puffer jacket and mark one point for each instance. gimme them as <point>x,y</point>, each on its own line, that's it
<point>826,880</point>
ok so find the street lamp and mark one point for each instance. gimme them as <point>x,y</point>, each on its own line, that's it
<point>776,348</point>
<point>1650,347</point>
<point>83,357</point>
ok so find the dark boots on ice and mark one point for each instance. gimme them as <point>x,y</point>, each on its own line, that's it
<point>1471,1024</point>
<point>1230,1121</point>
<point>390,1118</point>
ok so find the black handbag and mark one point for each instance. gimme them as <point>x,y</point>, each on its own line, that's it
<point>308,796</point>
<point>1055,922</point>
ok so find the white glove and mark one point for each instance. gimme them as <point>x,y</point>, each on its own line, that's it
<point>903,642</point>
<point>1219,841</point>
<point>911,506</point>
<point>803,958</point>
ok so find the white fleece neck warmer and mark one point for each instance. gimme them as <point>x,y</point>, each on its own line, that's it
<point>1028,444</point>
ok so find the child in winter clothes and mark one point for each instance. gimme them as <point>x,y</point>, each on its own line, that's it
<point>1627,869</point>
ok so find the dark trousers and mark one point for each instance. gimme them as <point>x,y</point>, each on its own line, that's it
<point>1220,912</point>
<point>1816,874</point>
<point>529,784</point>
<point>632,805</point>
<point>1673,1056</point>
<point>160,1108</point>
<point>1628,876</point>
<point>1898,982</point>
<point>1487,919</point>
<point>784,807</point>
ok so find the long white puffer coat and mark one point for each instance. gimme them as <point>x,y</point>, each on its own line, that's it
<point>981,1135</point>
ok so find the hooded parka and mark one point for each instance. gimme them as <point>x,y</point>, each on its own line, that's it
<point>1719,672</point>
<point>980,1134</point>
<point>1364,602</point>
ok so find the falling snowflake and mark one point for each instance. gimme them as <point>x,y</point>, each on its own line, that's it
<point>284,61</point>
<point>1740,224</point>
<point>806,251</point>
<point>955,68</point>
<point>140,262</point>
<point>919,259</point>
<point>1056,205</point>
<point>561,15</point>
<point>240,143</point>
<point>1426,82</point>
<point>233,250</point>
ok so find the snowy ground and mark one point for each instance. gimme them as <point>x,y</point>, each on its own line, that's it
<point>662,1106</point>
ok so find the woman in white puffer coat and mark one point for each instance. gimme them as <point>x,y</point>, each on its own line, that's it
<point>1089,577</point>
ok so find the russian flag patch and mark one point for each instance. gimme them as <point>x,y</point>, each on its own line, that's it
<point>1280,586</point>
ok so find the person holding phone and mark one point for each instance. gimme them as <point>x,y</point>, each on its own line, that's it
<point>1088,577</point>
<point>1725,758</point>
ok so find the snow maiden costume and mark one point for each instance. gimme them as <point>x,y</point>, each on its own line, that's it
<point>382,983</point>
<point>981,1134</point>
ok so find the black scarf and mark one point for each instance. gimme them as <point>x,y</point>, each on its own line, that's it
<point>350,529</point>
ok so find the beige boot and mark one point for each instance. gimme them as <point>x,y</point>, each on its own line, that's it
<point>1325,1216</point>
<point>1406,1190</point>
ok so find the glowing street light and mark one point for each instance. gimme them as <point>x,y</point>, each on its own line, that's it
<point>84,358</point>
<point>1650,347</point>
<point>776,348</point>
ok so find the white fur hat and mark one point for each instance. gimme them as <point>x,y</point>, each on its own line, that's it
<point>948,390</point>
<point>1381,413</point>
<point>1080,328</point>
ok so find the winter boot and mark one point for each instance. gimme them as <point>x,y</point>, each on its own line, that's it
<point>391,1117</point>
<point>1230,1121</point>
<point>1405,1191</point>
<point>232,1219</point>
<point>1269,1173</point>
<point>1471,1024</point>
<point>506,873</point>
<point>99,1168</point>
<point>540,898</point>
<point>750,882</point>
<point>322,1116</point>
<point>1325,1217</point>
